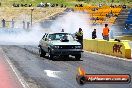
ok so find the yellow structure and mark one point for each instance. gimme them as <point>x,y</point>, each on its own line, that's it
<point>100,13</point>
<point>114,48</point>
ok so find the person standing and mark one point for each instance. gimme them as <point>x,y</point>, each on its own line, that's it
<point>3,23</point>
<point>105,33</point>
<point>62,30</point>
<point>28,25</point>
<point>79,36</point>
<point>94,34</point>
<point>23,24</point>
<point>12,23</point>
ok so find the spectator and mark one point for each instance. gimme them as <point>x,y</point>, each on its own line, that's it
<point>111,6</point>
<point>41,4</point>
<point>61,5</point>
<point>62,30</point>
<point>97,18</point>
<point>46,5</point>
<point>79,36</point>
<point>17,5</point>
<point>100,5</point>
<point>80,5</point>
<point>30,5</point>
<point>52,5</point>
<point>23,24</point>
<point>28,25</point>
<point>13,5</point>
<point>105,33</point>
<point>76,5</point>
<point>119,6</point>
<point>106,15</point>
<point>124,6</point>
<point>3,23</point>
<point>22,5</point>
<point>56,5</point>
<point>94,34</point>
<point>25,5</point>
<point>111,14</point>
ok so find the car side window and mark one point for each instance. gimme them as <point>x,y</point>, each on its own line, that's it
<point>46,37</point>
<point>43,36</point>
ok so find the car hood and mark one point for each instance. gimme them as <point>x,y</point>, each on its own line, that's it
<point>58,42</point>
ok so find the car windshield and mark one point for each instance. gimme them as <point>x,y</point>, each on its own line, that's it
<point>58,36</point>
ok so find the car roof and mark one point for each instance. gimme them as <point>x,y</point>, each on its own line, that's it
<point>58,33</point>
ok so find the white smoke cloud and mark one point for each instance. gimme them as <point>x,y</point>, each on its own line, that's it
<point>70,22</point>
<point>19,37</point>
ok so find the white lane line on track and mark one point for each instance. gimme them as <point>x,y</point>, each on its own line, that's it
<point>114,57</point>
<point>19,77</point>
<point>54,74</point>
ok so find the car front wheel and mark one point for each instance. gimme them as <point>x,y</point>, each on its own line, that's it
<point>50,55</point>
<point>78,56</point>
<point>41,52</point>
<point>66,56</point>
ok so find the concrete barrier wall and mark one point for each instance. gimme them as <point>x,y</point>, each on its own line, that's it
<point>124,37</point>
<point>114,48</point>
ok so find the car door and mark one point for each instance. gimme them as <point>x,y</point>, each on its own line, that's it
<point>42,42</point>
<point>46,42</point>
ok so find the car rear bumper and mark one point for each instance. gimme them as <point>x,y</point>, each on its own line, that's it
<point>66,51</point>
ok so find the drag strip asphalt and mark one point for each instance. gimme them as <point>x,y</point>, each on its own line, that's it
<point>41,72</point>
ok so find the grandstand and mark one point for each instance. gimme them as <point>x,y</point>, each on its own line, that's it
<point>128,24</point>
<point>120,18</point>
<point>120,22</point>
<point>101,15</point>
<point>123,25</point>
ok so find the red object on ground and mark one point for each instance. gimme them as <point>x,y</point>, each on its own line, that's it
<point>8,78</point>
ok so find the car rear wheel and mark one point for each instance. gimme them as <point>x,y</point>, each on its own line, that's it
<point>50,55</point>
<point>41,52</point>
<point>78,56</point>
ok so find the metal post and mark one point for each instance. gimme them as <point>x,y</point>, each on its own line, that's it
<point>32,16</point>
<point>28,23</point>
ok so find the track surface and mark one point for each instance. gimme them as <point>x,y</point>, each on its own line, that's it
<point>44,73</point>
<point>8,78</point>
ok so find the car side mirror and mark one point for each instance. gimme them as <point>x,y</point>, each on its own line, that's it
<point>49,39</point>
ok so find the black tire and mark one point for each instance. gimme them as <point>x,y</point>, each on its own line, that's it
<point>50,55</point>
<point>78,56</point>
<point>41,52</point>
<point>66,56</point>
